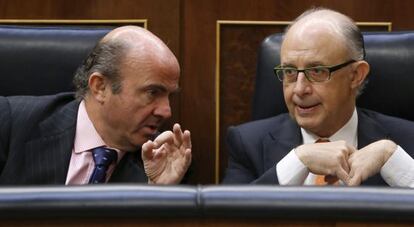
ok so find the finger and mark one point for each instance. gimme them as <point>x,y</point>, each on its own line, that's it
<point>355,180</point>
<point>343,176</point>
<point>352,173</point>
<point>187,139</point>
<point>147,150</point>
<point>168,148</point>
<point>187,157</point>
<point>345,165</point>
<point>351,166</point>
<point>158,153</point>
<point>178,134</point>
<point>165,137</point>
<point>351,157</point>
<point>351,150</point>
<point>186,162</point>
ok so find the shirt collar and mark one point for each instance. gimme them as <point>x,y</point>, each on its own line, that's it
<point>86,137</point>
<point>348,132</point>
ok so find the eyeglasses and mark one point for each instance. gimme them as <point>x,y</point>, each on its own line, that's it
<point>313,74</point>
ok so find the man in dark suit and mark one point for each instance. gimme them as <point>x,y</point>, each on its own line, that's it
<point>324,139</point>
<point>122,98</point>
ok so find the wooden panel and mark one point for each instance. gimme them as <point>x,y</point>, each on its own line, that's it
<point>81,23</point>
<point>197,100</point>
<point>163,16</point>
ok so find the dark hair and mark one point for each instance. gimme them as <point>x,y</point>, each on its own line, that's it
<point>105,58</point>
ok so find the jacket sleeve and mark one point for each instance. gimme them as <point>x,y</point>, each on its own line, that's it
<point>241,169</point>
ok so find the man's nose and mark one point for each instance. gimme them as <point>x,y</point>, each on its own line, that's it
<point>302,84</point>
<point>163,109</point>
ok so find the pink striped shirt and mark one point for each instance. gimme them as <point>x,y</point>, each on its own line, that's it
<point>86,138</point>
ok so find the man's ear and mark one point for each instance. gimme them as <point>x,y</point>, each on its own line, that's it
<point>98,86</point>
<point>360,72</point>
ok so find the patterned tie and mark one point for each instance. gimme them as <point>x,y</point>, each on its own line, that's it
<point>328,179</point>
<point>103,157</point>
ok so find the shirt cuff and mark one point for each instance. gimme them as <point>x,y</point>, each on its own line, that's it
<point>398,170</point>
<point>290,170</point>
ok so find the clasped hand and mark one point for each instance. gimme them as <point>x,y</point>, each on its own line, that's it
<point>339,159</point>
<point>167,158</point>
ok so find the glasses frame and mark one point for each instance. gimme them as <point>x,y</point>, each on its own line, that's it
<point>331,69</point>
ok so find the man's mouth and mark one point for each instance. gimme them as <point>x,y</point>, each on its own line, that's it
<point>152,127</point>
<point>150,131</point>
<point>306,108</point>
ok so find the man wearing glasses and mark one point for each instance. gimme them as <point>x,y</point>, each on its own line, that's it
<point>325,139</point>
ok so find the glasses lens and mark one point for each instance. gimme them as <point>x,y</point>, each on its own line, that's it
<point>286,75</point>
<point>317,74</point>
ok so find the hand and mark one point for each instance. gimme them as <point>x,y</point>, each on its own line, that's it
<point>329,158</point>
<point>167,158</point>
<point>369,160</point>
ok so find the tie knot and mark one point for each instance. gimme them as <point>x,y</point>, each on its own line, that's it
<point>322,140</point>
<point>104,156</point>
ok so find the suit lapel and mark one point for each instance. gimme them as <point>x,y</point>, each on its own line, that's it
<point>129,169</point>
<point>280,142</point>
<point>47,156</point>
<point>369,131</point>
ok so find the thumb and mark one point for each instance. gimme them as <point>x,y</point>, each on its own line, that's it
<point>146,150</point>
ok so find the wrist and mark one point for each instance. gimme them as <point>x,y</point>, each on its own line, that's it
<point>296,150</point>
<point>300,153</point>
<point>389,148</point>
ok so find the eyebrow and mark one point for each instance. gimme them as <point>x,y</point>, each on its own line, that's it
<point>162,88</point>
<point>309,65</point>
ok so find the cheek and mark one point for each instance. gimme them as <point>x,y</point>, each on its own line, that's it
<point>142,111</point>
<point>125,110</point>
<point>287,94</point>
<point>139,113</point>
<point>332,99</point>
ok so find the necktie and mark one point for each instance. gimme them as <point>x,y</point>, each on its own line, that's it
<point>325,179</point>
<point>103,157</point>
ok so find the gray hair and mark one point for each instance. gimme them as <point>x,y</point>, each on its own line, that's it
<point>105,58</point>
<point>347,29</point>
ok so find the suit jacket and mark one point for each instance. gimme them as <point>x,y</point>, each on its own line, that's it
<point>36,141</point>
<point>256,147</point>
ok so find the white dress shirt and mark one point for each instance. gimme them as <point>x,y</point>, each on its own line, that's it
<point>397,171</point>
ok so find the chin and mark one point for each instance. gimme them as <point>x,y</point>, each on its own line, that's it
<point>139,142</point>
<point>306,123</point>
<point>134,144</point>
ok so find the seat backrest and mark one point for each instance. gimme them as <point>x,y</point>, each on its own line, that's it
<point>390,81</point>
<point>43,60</point>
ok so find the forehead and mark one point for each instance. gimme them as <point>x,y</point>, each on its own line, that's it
<point>313,42</point>
<point>150,70</point>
